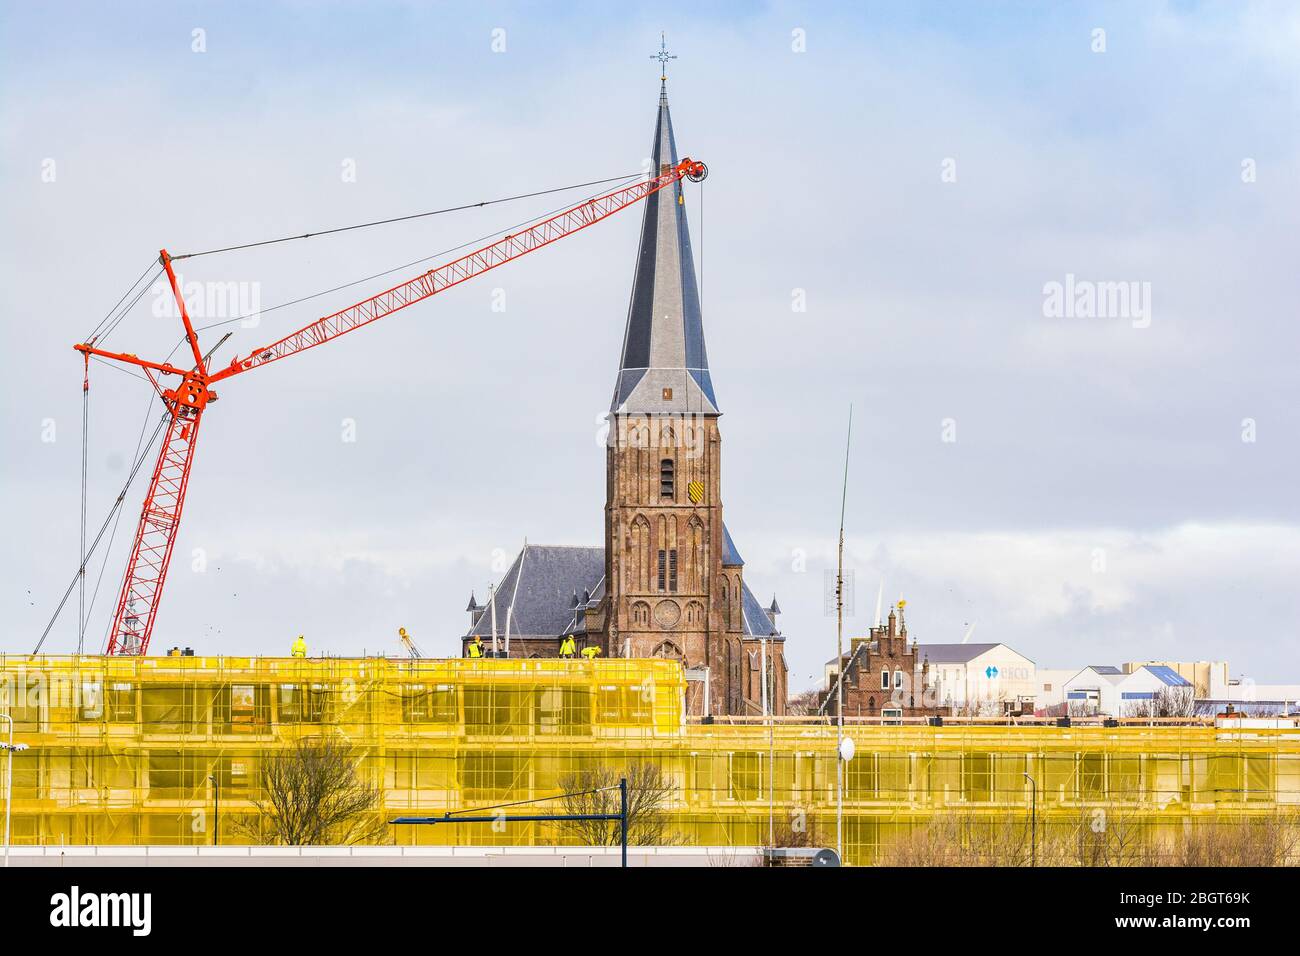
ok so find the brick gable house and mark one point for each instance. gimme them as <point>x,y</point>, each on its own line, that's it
<point>882,672</point>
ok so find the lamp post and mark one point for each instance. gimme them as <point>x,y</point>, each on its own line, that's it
<point>768,716</point>
<point>216,807</point>
<point>11,748</point>
<point>1033,820</point>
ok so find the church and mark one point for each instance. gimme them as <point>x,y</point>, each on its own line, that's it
<point>669,581</point>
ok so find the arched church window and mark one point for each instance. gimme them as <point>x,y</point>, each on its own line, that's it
<point>668,650</point>
<point>898,678</point>
<point>666,478</point>
<point>641,552</point>
<point>695,573</point>
<point>641,614</point>
<point>884,679</point>
<point>694,613</point>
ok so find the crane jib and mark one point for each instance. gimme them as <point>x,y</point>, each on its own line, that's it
<point>155,536</point>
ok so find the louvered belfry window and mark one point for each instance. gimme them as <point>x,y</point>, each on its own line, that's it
<point>666,478</point>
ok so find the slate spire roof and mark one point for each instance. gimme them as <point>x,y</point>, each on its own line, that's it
<point>664,368</point>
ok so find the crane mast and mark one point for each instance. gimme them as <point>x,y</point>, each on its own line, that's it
<point>155,537</point>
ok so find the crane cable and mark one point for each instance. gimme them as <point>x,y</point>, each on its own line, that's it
<point>117,504</point>
<point>114,515</point>
<point>417,215</point>
<point>120,313</point>
<point>85,452</point>
<point>103,336</point>
<point>148,268</point>
<point>406,265</point>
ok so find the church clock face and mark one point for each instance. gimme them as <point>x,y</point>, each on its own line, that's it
<point>667,614</point>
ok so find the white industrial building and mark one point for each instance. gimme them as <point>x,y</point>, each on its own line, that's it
<point>993,679</point>
<point>1111,692</point>
<point>990,678</point>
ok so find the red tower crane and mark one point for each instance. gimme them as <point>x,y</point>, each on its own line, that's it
<point>155,536</point>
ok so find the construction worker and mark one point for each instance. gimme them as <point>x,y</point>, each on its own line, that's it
<point>299,648</point>
<point>590,653</point>
<point>476,647</point>
<point>568,648</point>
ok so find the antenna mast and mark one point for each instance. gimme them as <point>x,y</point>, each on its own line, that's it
<point>839,655</point>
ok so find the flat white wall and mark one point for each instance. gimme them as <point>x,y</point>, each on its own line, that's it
<point>1247,691</point>
<point>1050,683</point>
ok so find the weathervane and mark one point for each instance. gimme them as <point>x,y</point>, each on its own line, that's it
<point>663,56</point>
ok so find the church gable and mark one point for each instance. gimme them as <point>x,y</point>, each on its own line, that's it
<point>537,592</point>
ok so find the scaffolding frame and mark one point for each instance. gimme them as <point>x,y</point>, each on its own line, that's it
<point>135,750</point>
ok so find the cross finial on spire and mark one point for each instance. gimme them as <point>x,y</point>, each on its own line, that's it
<point>663,56</point>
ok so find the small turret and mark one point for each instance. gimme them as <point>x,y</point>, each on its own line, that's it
<point>475,610</point>
<point>772,611</point>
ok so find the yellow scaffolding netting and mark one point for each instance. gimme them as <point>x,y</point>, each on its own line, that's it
<point>138,750</point>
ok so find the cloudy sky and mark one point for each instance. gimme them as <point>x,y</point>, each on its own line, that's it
<point>895,191</point>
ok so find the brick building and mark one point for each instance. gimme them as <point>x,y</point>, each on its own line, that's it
<point>882,671</point>
<point>669,581</point>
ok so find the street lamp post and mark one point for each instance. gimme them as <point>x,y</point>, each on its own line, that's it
<point>216,807</point>
<point>11,748</point>
<point>1033,820</point>
<point>770,716</point>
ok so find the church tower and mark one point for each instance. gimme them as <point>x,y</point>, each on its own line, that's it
<point>673,580</point>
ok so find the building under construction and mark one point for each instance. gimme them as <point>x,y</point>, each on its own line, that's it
<point>147,751</point>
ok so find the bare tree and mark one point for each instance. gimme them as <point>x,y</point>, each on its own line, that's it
<point>315,797</point>
<point>1108,835</point>
<point>962,839</point>
<point>1166,702</point>
<point>800,831</point>
<point>595,791</point>
<point>1270,840</point>
<point>975,707</point>
<point>804,704</point>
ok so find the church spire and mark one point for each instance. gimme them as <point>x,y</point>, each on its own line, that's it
<point>664,367</point>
